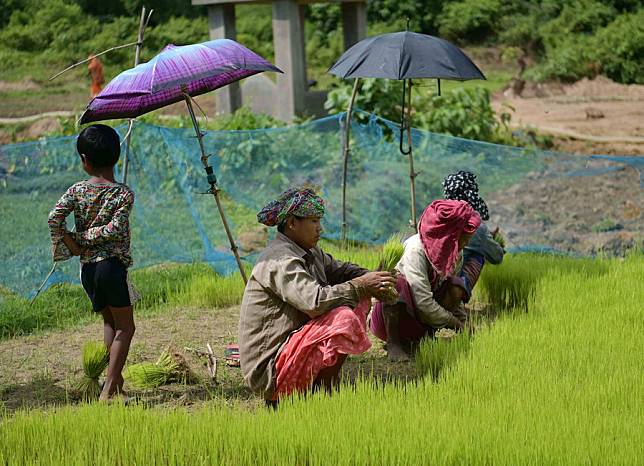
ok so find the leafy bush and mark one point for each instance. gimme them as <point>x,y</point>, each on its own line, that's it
<point>619,47</point>
<point>470,20</point>
<point>462,112</point>
<point>177,30</point>
<point>466,113</point>
<point>380,96</point>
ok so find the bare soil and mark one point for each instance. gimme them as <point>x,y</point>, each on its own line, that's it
<point>42,370</point>
<point>598,107</point>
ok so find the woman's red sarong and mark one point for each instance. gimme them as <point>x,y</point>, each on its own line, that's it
<point>318,344</point>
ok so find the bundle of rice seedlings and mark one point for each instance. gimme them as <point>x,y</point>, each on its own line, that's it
<point>146,375</point>
<point>170,367</point>
<point>391,254</point>
<point>95,360</point>
<point>182,373</point>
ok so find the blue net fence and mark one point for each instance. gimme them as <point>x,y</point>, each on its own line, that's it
<point>540,200</point>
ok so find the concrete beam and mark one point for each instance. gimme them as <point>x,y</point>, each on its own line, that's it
<point>221,23</point>
<point>289,57</point>
<point>354,22</point>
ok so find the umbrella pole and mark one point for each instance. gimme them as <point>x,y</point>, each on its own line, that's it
<point>346,141</point>
<point>412,173</point>
<point>214,190</point>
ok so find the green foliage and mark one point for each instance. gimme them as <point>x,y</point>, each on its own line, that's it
<point>459,112</point>
<point>380,96</point>
<point>177,30</point>
<point>466,113</point>
<point>619,48</point>
<point>470,20</point>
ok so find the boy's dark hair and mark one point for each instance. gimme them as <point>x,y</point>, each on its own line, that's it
<point>100,144</point>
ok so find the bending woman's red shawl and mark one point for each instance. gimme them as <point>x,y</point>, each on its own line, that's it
<point>440,228</point>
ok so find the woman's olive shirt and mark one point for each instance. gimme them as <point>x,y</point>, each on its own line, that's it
<point>288,287</point>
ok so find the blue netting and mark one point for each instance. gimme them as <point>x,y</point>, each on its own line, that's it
<point>541,200</point>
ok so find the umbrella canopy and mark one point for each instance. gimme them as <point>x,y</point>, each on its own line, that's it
<point>199,67</point>
<point>405,55</point>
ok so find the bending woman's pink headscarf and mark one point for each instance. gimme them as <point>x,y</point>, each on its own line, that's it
<point>440,228</point>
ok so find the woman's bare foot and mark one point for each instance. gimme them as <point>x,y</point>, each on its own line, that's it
<point>396,353</point>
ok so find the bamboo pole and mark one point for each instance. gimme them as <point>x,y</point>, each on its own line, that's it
<point>212,180</point>
<point>346,141</point>
<point>412,173</point>
<point>137,55</point>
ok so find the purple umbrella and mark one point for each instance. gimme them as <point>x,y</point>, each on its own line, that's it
<point>178,73</point>
<point>199,67</point>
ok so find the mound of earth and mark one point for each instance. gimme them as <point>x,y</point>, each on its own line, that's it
<point>586,214</point>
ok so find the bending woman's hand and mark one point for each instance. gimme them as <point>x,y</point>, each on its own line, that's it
<point>375,283</point>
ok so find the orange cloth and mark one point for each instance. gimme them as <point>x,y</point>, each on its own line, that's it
<point>318,344</point>
<point>95,68</point>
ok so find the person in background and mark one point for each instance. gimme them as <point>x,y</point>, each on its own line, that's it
<point>95,69</point>
<point>101,208</point>
<point>302,311</point>
<point>482,247</point>
<point>429,295</point>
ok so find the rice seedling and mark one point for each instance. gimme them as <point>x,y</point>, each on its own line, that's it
<point>95,360</point>
<point>434,354</point>
<point>560,384</point>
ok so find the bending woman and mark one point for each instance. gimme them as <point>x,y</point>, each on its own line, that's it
<point>482,248</point>
<point>428,299</point>
<point>302,311</point>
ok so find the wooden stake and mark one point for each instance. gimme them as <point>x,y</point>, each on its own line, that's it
<point>412,173</point>
<point>346,141</point>
<point>137,55</point>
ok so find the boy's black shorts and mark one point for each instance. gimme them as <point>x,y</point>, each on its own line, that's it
<point>105,283</point>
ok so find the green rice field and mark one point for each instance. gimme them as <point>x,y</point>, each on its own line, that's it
<point>555,378</point>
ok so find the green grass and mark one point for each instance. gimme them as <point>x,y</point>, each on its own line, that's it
<point>560,384</point>
<point>162,289</point>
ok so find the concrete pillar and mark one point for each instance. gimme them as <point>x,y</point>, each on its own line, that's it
<point>289,57</point>
<point>354,22</point>
<point>221,23</point>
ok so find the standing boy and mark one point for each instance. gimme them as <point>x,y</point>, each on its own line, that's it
<point>101,209</point>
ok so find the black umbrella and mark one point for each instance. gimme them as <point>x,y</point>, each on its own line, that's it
<point>403,56</point>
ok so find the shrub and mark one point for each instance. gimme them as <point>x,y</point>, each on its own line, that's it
<point>466,113</point>
<point>619,48</point>
<point>470,20</point>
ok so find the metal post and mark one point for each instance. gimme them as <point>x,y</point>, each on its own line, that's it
<point>346,141</point>
<point>212,180</point>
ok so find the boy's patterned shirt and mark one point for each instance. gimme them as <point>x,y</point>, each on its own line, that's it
<point>101,214</point>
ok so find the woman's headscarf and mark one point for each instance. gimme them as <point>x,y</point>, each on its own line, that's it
<point>440,228</point>
<point>302,202</point>
<point>462,186</point>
